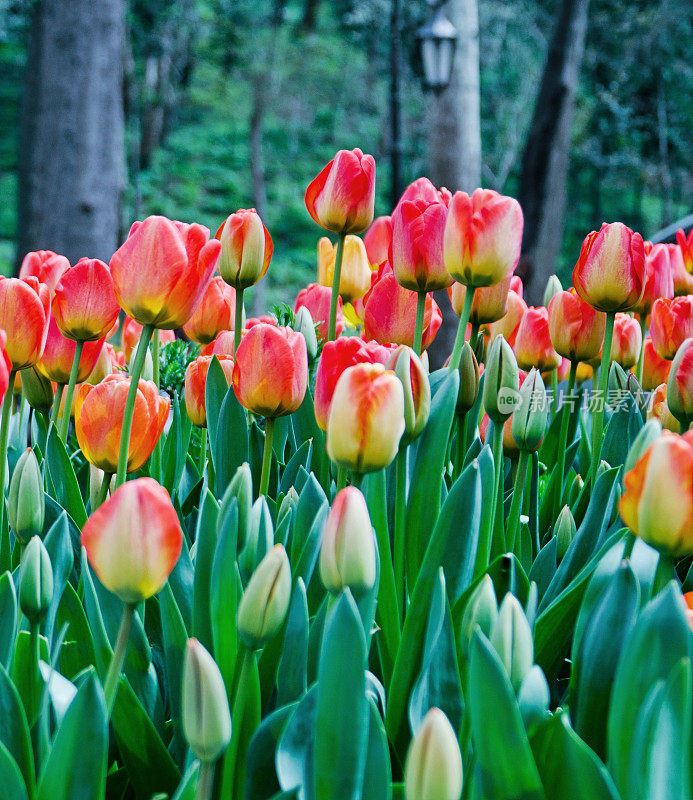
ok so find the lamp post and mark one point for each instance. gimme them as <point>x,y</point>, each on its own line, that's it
<point>437,38</point>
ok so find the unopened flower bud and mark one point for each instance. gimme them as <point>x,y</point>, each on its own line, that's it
<point>533,697</point>
<point>147,368</point>
<point>205,708</point>
<point>635,388</point>
<point>565,531</point>
<point>37,389</point>
<point>680,384</point>
<point>288,504</point>
<point>26,502</point>
<point>603,467</point>
<point>303,323</point>
<point>265,601</point>
<point>530,419</point>
<point>576,487</point>
<point>511,637</point>
<point>501,381</point>
<point>433,769</point>
<point>408,368</point>
<point>260,537</point>
<point>481,610</point>
<point>469,379</point>
<point>553,287</point>
<point>35,580</point>
<point>347,552</point>
<point>618,381</point>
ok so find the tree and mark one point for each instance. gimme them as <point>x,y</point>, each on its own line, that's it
<point>71,165</point>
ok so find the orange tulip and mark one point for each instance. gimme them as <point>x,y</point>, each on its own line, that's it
<point>214,312</point>
<point>659,281</point>
<point>482,239</point>
<point>222,345</point>
<point>658,409</point>
<point>670,324</point>
<point>132,331</point>
<point>366,418</point>
<point>685,244</point>
<point>45,265</point>
<point>5,366</point>
<point>342,197</point>
<point>133,540</point>
<point>417,245</point>
<point>576,329</point>
<point>355,277</point>
<point>196,384</point>
<point>655,369</point>
<point>316,299</point>
<point>25,307</point>
<point>270,374</point>
<point>680,383</point>
<point>688,600</point>
<point>533,346</point>
<point>626,341</point>
<point>610,273</point>
<point>683,280</point>
<point>59,353</point>
<point>162,269</point>
<point>84,303</point>
<point>657,503</point>
<point>246,248</point>
<point>99,412</point>
<point>490,303</point>
<point>509,323</point>
<point>378,240</point>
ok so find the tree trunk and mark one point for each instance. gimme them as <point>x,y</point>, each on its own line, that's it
<point>72,169</point>
<point>257,169</point>
<point>455,139</point>
<point>545,162</point>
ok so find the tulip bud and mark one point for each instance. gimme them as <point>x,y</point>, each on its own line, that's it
<point>35,580</point>
<point>241,487</point>
<point>26,502</point>
<point>511,637</point>
<point>603,467</point>
<point>649,432</point>
<point>205,708</point>
<point>618,381</point>
<point>553,287</point>
<point>533,697</point>
<point>680,383</point>
<point>147,367</point>
<point>530,419</point>
<point>408,368</point>
<point>564,531</point>
<point>246,249</point>
<point>347,552</point>
<point>303,323</point>
<point>576,488</point>
<point>433,769</point>
<point>288,505</point>
<point>469,379</point>
<point>37,389</point>
<point>481,610</point>
<point>355,277</point>
<point>265,601</point>
<point>501,381</point>
<point>260,538</point>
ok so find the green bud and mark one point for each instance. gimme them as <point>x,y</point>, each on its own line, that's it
<point>650,431</point>
<point>260,538</point>
<point>35,580</point>
<point>575,488</point>
<point>303,323</point>
<point>501,393</point>
<point>553,286</point>
<point>26,504</point>
<point>204,705</point>
<point>96,477</point>
<point>533,697</point>
<point>481,610</point>
<point>469,380</point>
<point>289,503</point>
<point>530,418</point>
<point>433,769</point>
<point>408,367</point>
<point>634,387</point>
<point>147,367</point>
<point>565,530</point>
<point>37,389</point>
<point>265,601</point>
<point>511,637</point>
<point>603,467</point>
<point>679,405</point>
<point>618,384</point>
<point>241,487</point>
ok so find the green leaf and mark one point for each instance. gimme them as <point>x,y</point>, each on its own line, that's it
<point>294,759</point>
<point>187,787</point>
<point>377,775</point>
<point>8,618</point>
<point>292,674</point>
<point>11,780</point>
<point>624,425</point>
<point>224,595</point>
<point>230,447</point>
<point>59,547</point>
<point>77,652</point>
<point>175,637</point>
<point>205,543</point>
<point>63,477</point>
<point>14,730</point>
<point>301,458</point>
<point>261,780</point>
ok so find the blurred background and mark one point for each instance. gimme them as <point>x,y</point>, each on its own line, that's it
<point>112,110</point>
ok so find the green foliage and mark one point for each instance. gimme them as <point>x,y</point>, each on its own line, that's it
<point>173,361</point>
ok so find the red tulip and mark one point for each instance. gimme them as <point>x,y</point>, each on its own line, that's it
<point>214,313</point>
<point>658,409</point>
<point>417,245</point>
<point>680,383</point>
<point>5,366</point>
<point>577,330</point>
<point>162,270</point>
<point>659,281</point>
<point>45,265</point>
<point>626,342</point>
<point>490,303</point>
<point>99,412</point>
<point>341,198</point>
<point>59,353</point>
<point>671,322</point>
<point>610,273</point>
<point>335,358</point>
<point>246,248</point>
<point>134,539</point>
<point>685,244</point>
<point>510,322</point>
<point>25,306</point>
<point>132,331</point>
<point>196,384</point>
<point>223,345</point>
<point>655,369</point>
<point>270,374</point>
<point>483,234</point>
<point>84,304</point>
<point>316,299</point>
<point>423,189</point>
<point>264,319</point>
<point>378,240</point>
<point>533,346</point>
<point>683,280</point>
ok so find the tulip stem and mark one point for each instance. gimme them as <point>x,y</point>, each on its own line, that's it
<point>418,328</point>
<point>516,504</point>
<point>642,319</point>
<point>110,686</point>
<point>341,478</point>
<point>461,443</point>
<point>462,328</point>
<point>498,467</point>
<point>65,423</point>
<point>103,490</point>
<point>238,322</point>
<point>56,403</point>
<point>140,356</point>
<point>34,671</point>
<point>601,396</point>
<point>156,453</point>
<point>334,298</point>
<point>554,391</point>
<point>474,336</point>
<point>267,455</point>
<point>400,529</point>
<point>203,450</point>
<point>4,429</point>
<point>563,438</point>
<point>205,781</point>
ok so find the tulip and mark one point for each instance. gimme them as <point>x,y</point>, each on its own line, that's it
<point>317,299</point>
<point>658,409</point>
<point>355,275</point>
<point>610,273</point>
<point>511,638</point>
<point>45,265</point>
<point>565,531</point>
<point>265,601</point>
<point>670,324</point>
<point>657,502</point>
<point>335,358</point>
<point>685,244</point>
<point>84,304</point>
<point>24,316</point>
<point>501,382</point>
<point>246,249</point>
<point>655,369</point>
<point>107,363</point>
<point>408,368</point>
<point>552,288</point>
<point>490,303</point>
<point>626,342</point>
<point>508,324</point>
<point>37,389</point>
<point>417,246</point>
<point>196,383</point>
<point>680,384</point>
<point>99,412</point>
<point>26,502</point>
<point>131,333</point>
<point>347,550</point>
<point>391,312</point>
<point>58,356</point>
<point>481,609</point>
<point>223,345</point>
<point>433,769</point>
<point>576,329</point>
<point>533,346</point>
<point>204,705</point>
<point>366,418</point>
<point>659,281</point>
<point>264,319</point>
<point>469,380</point>
<point>214,313</point>
<point>683,280</point>
<point>688,600</point>
<point>423,189</point>
<point>35,581</point>
<point>378,240</point>
<point>303,324</point>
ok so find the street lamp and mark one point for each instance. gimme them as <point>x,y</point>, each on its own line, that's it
<point>438,38</point>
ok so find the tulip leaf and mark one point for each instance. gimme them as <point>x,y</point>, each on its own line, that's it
<point>28,682</point>
<point>308,558</point>
<point>174,639</point>
<point>175,448</point>
<point>187,788</point>
<point>306,428</point>
<point>63,477</point>
<point>311,498</point>
<point>77,652</point>
<point>341,716</point>
<point>11,780</point>
<point>231,441</point>
<point>624,426</point>
<point>506,765</point>
<point>8,618</point>
<point>292,674</point>
<point>483,551</point>
<point>76,765</point>
<point>545,564</point>
<point>261,780</point>
<point>301,458</point>
<point>224,594</point>
<point>294,757</point>
<point>14,730</point>
<point>59,547</point>
<point>205,543</point>
<point>377,775</point>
